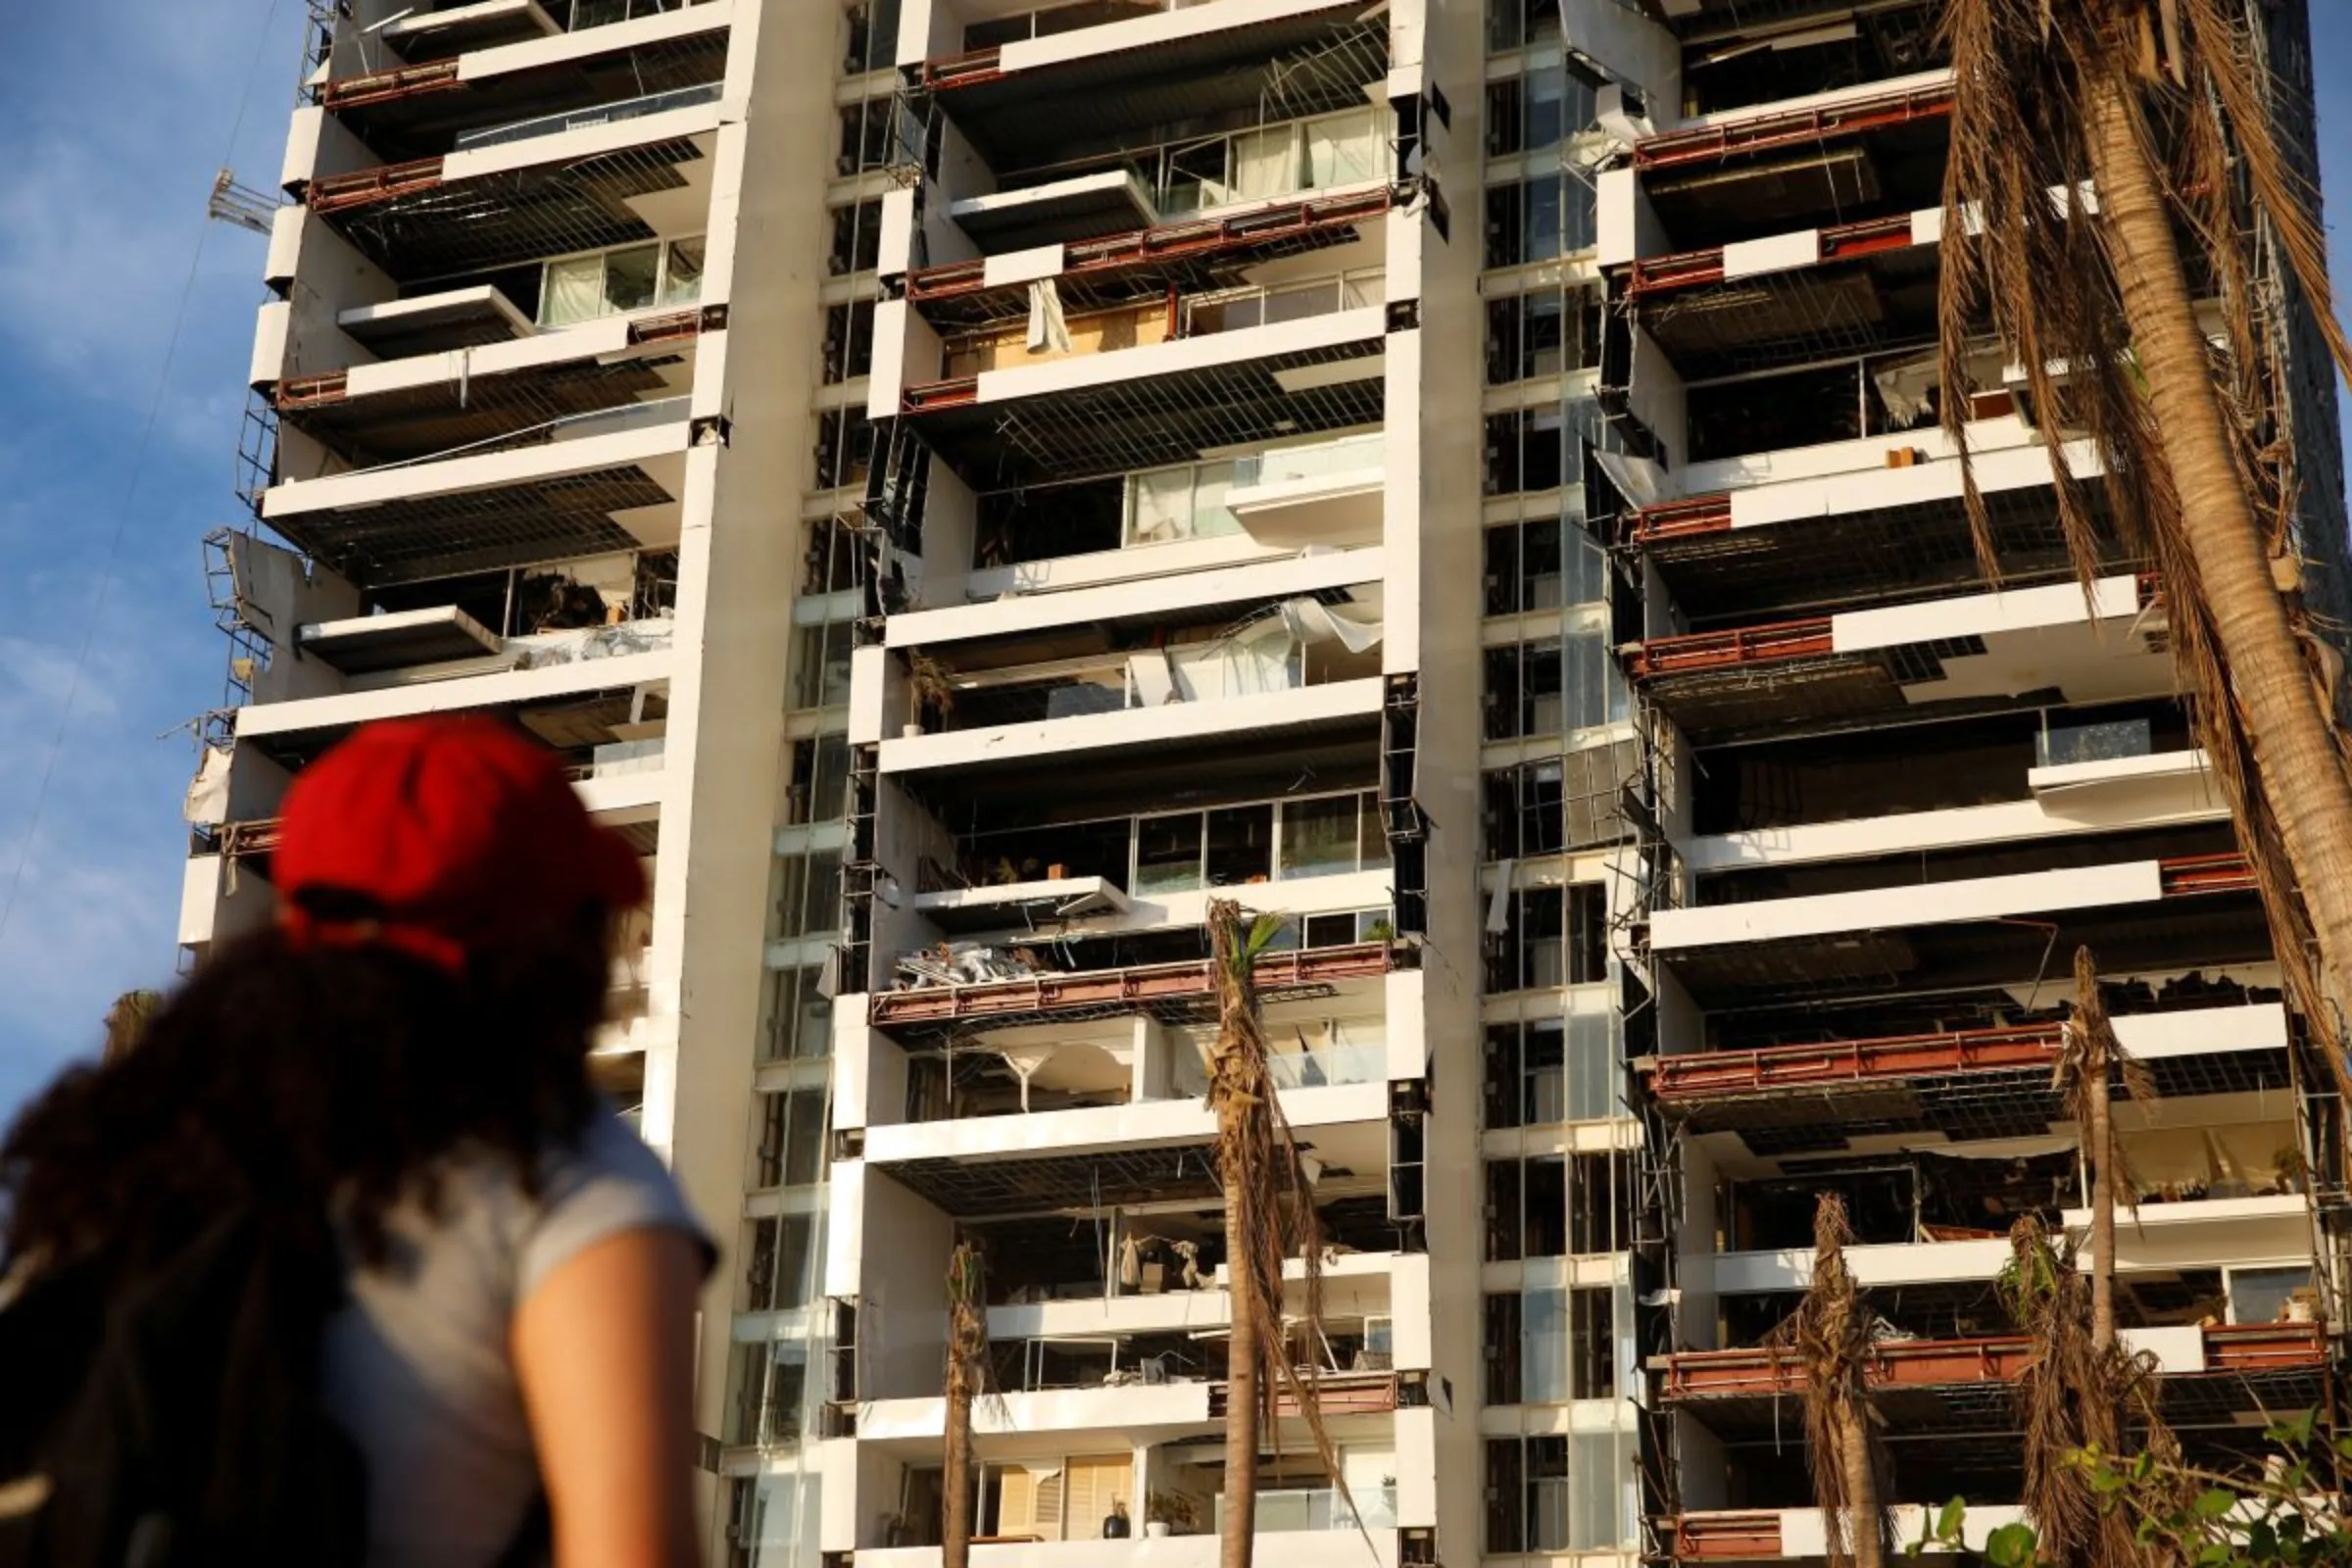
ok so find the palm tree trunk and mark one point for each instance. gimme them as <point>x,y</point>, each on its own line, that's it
<point>2099,1144</point>
<point>1241,1394</point>
<point>2302,774</point>
<point>1861,1487</point>
<point>968,1334</point>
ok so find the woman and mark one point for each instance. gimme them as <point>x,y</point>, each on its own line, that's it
<point>407,1050</point>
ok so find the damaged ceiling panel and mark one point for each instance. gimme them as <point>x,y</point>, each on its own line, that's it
<point>476,530</point>
<point>424,421</point>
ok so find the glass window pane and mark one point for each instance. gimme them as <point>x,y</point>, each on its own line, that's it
<point>1211,482</point>
<point>1162,507</point>
<point>1196,178</point>
<point>1319,837</point>
<point>1342,150</point>
<point>682,282</point>
<point>1371,834</point>
<point>1265,162</point>
<point>1167,853</point>
<point>1241,845</point>
<point>1543,1347</point>
<point>630,278</point>
<point>575,291</point>
<point>1591,1068</point>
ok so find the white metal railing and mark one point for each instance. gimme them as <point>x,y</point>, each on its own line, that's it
<point>596,114</point>
<point>1352,455</point>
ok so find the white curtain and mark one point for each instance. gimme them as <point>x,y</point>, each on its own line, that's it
<point>1264,163</point>
<point>1543,1347</point>
<point>1342,150</point>
<point>575,291</point>
<point>1163,505</point>
<point>1048,333</point>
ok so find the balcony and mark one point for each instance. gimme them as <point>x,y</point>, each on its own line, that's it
<point>669,58</point>
<point>2216,1373</point>
<point>1023,96</point>
<point>1774,1535</point>
<point>1160,405</point>
<point>435,31</point>
<point>518,204</point>
<point>1297,1550</point>
<point>602,484</point>
<point>1972,654</point>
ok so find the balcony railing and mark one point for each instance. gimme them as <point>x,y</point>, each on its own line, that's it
<point>595,114</point>
<point>1294,1508</point>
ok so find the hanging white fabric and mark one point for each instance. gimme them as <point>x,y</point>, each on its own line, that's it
<point>1048,331</point>
<point>1310,620</point>
<point>208,793</point>
<point>1499,902</point>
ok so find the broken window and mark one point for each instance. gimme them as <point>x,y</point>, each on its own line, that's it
<point>844,448</point>
<point>1542,564</point>
<point>820,773</point>
<point>849,341</point>
<point>1541,106</point>
<point>1516,23</point>
<point>1549,331</point>
<point>1572,801</point>
<point>792,1139</point>
<point>820,666</point>
<point>780,1272</point>
<point>1559,1206</point>
<point>873,40</point>
<point>1552,937</point>
<point>807,893</point>
<point>1550,1345</point>
<point>1571,1492</point>
<point>771,1392</point>
<point>1539,220</point>
<point>1545,1071</point>
<point>1541,448</point>
<point>864,137</point>
<point>1552,685</point>
<point>626,278</point>
<point>800,1015</point>
<point>857,238</point>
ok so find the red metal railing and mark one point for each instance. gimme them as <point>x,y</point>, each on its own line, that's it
<point>2185,875</point>
<point>954,394</point>
<point>1847,242</point>
<point>1143,983</point>
<point>1680,519</point>
<point>1726,649</point>
<point>1164,242</point>
<point>1707,1074</point>
<point>1791,127</point>
<point>383,87</point>
<point>1944,1363</point>
<point>340,192</point>
<point>966,69</point>
<point>1727,1536</point>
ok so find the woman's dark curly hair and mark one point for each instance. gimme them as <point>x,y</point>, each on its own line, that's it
<point>282,1076</point>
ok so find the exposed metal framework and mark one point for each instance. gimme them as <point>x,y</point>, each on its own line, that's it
<point>1654,275</point>
<point>1046,997</point>
<point>1801,127</point>
<point>476,530</point>
<point>416,224</point>
<point>1142,264</point>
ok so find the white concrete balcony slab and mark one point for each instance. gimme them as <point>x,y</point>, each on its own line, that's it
<point>1183,28</point>
<point>1316,495</point>
<point>510,688</point>
<point>431,324</point>
<point>1354,1284</point>
<point>1916,905</point>
<point>484,25</point>
<point>1233,718</point>
<point>1273,577</point>
<point>1297,1548</point>
<point>1142,1411</point>
<point>1142,1124</point>
<point>2103,797</point>
<point>2160,1238</point>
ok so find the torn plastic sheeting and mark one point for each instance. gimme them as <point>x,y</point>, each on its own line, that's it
<point>1903,387</point>
<point>207,803</point>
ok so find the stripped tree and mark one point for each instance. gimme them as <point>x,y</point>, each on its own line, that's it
<point>1832,1331</point>
<point>2161,108</point>
<point>968,1376</point>
<point>2089,1062</point>
<point>1269,1218</point>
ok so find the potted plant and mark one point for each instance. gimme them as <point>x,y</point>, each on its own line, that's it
<point>1169,1513</point>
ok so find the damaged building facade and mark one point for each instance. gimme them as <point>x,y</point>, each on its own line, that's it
<point>966,482</point>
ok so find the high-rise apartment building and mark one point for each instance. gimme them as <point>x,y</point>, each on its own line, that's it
<point>968,482</point>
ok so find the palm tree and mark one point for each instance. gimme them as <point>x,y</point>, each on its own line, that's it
<point>2087,1062</point>
<point>2162,108</point>
<point>1833,1336</point>
<point>126,1021</point>
<point>968,1373</point>
<point>1269,1215</point>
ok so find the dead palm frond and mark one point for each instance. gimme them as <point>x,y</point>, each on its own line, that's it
<point>2089,1062</point>
<point>1831,1333</point>
<point>1269,1218</point>
<point>2162,109</point>
<point>2075,1398</point>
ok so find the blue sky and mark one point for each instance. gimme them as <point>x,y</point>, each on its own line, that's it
<point>114,117</point>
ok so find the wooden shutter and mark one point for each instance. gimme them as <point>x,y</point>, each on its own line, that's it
<point>1095,1481</point>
